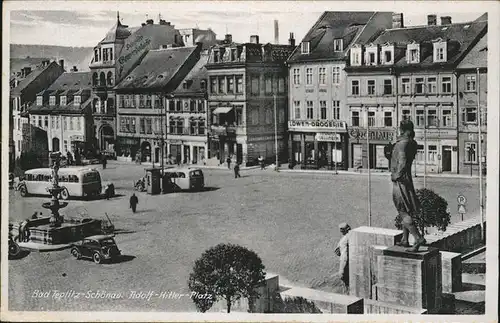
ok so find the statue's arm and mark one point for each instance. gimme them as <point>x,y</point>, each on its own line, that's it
<point>400,152</point>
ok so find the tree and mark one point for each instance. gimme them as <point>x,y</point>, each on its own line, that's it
<point>433,212</point>
<point>225,272</point>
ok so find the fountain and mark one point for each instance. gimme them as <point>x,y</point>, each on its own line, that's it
<point>54,205</point>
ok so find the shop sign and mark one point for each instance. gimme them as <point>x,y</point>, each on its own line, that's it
<point>436,133</point>
<point>375,134</point>
<point>317,124</point>
<point>264,138</point>
<point>76,138</point>
<point>335,137</point>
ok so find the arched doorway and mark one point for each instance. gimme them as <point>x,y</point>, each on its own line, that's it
<point>145,151</point>
<point>55,144</point>
<point>106,138</point>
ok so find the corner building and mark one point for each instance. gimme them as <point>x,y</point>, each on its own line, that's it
<point>317,132</point>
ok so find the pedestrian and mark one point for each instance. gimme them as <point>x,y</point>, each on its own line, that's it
<point>403,192</point>
<point>228,160</point>
<point>261,162</point>
<point>237,170</point>
<point>106,191</point>
<point>34,216</point>
<point>133,202</point>
<point>342,250</point>
<point>69,158</point>
<point>104,161</point>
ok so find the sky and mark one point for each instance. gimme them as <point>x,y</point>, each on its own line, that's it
<point>84,25</point>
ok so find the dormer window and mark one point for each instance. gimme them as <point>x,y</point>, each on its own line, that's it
<point>63,100</point>
<point>338,45</point>
<point>39,100</point>
<point>52,100</point>
<point>78,100</point>
<point>439,51</point>
<point>305,47</point>
<point>371,55</point>
<point>203,85</point>
<point>356,55</point>
<point>413,53</point>
<point>388,54</point>
<point>216,56</point>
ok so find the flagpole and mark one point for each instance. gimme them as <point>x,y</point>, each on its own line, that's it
<point>369,170</point>
<point>276,131</point>
<point>480,151</point>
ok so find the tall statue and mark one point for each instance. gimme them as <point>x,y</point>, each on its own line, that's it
<point>403,193</point>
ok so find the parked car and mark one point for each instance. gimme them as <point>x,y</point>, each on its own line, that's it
<point>99,248</point>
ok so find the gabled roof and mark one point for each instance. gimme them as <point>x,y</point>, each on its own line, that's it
<point>157,68</point>
<point>72,81</point>
<point>345,25</point>
<point>194,78</point>
<point>33,76</point>
<point>460,37</point>
<point>477,57</point>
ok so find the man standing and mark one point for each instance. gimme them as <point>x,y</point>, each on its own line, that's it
<point>342,250</point>
<point>237,170</point>
<point>133,202</point>
<point>104,161</point>
<point>403,193</point>
<point>228,160</point>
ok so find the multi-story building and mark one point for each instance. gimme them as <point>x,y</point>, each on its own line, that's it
<point>64,112</point>
<point>143,96</point>
<point>193,36</point>
<point>317,92</point>
<point>409,72</point>
<point>114,57</point>
<point>247,100</point>
<point>27,84</point>
<point>472,94</point>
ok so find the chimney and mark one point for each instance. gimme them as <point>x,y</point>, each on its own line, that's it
<point>276,32</point>
<point>74,69</point>
<point>163,22</point>
<point>397,20</point>
<point>431,20</point>
<point>25,71</point>
<point>446,20</point>
<point>228,38</point>
<point>61,63</point>
<point>254,39</point>
<point>149,21</point>
<point>143,24</point>
<point>291,40</point>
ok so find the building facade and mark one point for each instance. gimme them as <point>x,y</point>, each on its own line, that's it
<point>192,36</point>
<point>410,73</point>
<point>64,112</point>
<point>317,131</point>
<point>146,109</point>
<point>247,98</point>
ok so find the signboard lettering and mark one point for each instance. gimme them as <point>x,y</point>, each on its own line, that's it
<point>375,134</point>
<point>326,124</point>
<point>328,137</point>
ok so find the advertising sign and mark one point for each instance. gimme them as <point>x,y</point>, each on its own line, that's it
<point>317,124</point>
<point>375,134</point>
<point>333,137</point>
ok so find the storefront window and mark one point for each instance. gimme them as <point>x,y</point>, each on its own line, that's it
<point>432,153</point>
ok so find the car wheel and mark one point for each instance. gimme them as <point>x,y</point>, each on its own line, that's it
<point>76,253</point>
<point>97,258</point>
<point>64,194</point>
<point>24,191</point>
<point>14,249</point>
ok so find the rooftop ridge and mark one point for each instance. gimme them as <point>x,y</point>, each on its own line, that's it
<point>436,26</point>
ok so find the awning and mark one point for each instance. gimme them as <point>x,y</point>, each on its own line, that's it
<point>222,110</point>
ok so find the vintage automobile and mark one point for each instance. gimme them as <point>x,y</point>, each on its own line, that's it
<point>99,248</point>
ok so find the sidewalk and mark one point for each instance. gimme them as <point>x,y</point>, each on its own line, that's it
<point>158,165</point>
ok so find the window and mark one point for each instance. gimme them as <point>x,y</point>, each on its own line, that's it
<point>40,121</point>
<point>388,56</point>
<point>230,84</point>
<point>355,55</point>
<point>52,100</point>
<point>148,101</point>
<point>305,47</point>
<point>322,75</point>
<point>406,114</point>
<point>178,105</point>
<point>201,106</point>
<point>446,84</point>
<point>309,76</point>
<point>149,126</point>
<point>57,122</point>
<point>239,116</point>
<point>431,85</point>
<point>440,51</point>
<point>281,85</point>
<point>39,100</point>
<point>372,59</point>
<point>52,123</point>
<point>70,123</point>
<point>387,87</point>
<point>355,87</point>
<point>310,109</point>
<point>355,118</point>
<point>77,100</point>
<point>420,153</point>
<point>63,100</point>
<point>216,56</point>
<point>432,120</point>
<point>296,107</point>
<point>213,85</point>
<point>470,115</point>
<point>269,84</point>
<point>338,45</point>
<point>296,76</point>
<point>439,54</point>
<point>470,83</point>
<point>322,109</point>
<point>269,116</point>
<point>405,86</point>
<point>239,84</point>
<point>336,109</point>
<point>471,152</point>
<point>222,84</point>
<point>446,118</point>
<point>419,85</point>
<point>255,85</point>
<point>141,100</point>
<point>142,125</point>
<point>233,54</point>
<point>336,75</point>
<point>371,87</point>
<point>78,124</point>
<point>420,117</point>
<point>432,154</point>
<point>388,118</point>
<point>414,55</point>
<point>65,145</point>
<point>371,118</point>
<point>158,102</point>
<point>46,121</point>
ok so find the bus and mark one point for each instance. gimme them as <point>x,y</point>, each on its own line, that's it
<point>185,178</point>
<point>76,181</point>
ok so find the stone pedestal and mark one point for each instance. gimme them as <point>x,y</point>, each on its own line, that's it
<point>293,300</point>
<point>451,271</point>
<point>360,270</point>
<point>410,278</point>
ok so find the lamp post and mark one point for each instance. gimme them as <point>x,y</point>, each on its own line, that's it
<point>276,131</point>
<point>480,152</point>
<point>164,137</point>
<point>369,170</point>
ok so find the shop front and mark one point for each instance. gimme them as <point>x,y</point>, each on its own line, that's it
<point>127,148</point>
<point>318,143</point>
<point>370,143</point>
<point>441,148</point>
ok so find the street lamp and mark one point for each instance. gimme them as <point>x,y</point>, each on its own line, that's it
<point>164,137</point>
